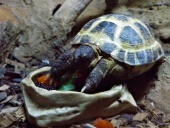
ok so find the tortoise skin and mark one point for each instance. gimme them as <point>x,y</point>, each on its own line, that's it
<point>125,38</point>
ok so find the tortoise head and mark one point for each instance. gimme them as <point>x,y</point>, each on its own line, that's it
<point>83,56</point>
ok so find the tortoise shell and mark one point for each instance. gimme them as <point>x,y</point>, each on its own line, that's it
<point>123,37</point>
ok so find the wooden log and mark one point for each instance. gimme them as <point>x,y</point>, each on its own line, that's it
<point>65,18</point>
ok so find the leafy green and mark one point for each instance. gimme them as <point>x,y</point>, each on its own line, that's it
<point>68,85</point>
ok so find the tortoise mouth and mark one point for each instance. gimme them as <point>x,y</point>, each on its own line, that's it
<point>83,56</point>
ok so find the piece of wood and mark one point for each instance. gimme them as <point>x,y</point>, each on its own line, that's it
<point>65,18</point>
<point>140,116</point>
<point>70,10</point>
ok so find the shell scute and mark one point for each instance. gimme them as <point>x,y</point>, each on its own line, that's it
<point>130,36</point>
<point>155,54</point>
<point>121,17</point>
<point>77,38</point>
<point>131,58</point>
<point>85,39</point>
<point>99,27</point>
<point>149,55</point>
<point>140,56</point>
<point>108,47</point>
<point>144,31</point>
<point>121,55</point>
<point>109,30</point>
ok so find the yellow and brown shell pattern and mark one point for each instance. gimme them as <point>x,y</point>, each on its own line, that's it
<point>123,37</point>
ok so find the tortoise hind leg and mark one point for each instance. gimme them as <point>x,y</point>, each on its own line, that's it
<point>97,74</point>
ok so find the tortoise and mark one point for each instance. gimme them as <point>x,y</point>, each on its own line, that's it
<point>114,44</point>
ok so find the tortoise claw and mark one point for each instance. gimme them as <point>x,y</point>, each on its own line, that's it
<point>83,89</point>
<point>87,89</point>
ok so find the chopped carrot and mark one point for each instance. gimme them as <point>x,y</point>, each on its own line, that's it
<point>45,79</point>
<point>100,123</point>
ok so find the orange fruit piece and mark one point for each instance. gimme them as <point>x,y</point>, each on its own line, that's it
<point>45,79</point>
<point>100,123</point>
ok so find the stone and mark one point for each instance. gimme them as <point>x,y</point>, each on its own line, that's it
<point>134,123</point>
<point>166,119</point>
<point>119,122</point>
<point>151,125</point>
<point>160,93</point>
<point>128,117</point>
<point>3,96</point>
<point>2,72</point>
<point>4,87</point>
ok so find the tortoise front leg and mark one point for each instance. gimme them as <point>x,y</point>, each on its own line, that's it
<point>63,63</point>
<point>98,73</point>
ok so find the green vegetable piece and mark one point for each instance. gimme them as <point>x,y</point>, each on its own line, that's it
<point>68,86</point>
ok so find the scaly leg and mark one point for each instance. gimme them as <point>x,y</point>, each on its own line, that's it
<point>98,73</point>
<point>63,63</point>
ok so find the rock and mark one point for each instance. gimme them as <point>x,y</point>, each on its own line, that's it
<point>159,94</point>
<point>7,99</point>
<point>166,119</point>
<point>4,87</point>
<point>16,88</point>
<point>1,106</point>
<point>2,72</point>
<point>17,80</point>
<point>149,105</point>
<point>3,96</point>
<point>128,117</point>
<point>119,122</point>
<point>159,112</point>
<point>12,74</point>
<point>150,124</point>
<point>157,120</point>
<point>134,123</point>
<point>14,103</point>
